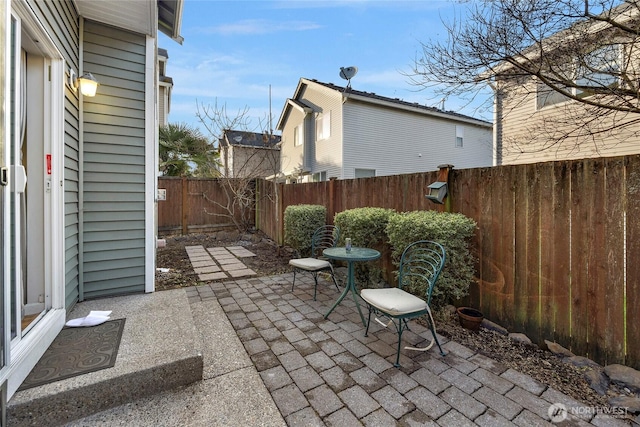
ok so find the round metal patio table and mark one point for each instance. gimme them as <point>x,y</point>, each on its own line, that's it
<point>354,255</point>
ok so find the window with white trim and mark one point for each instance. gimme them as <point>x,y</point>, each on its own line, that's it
<point>365,173</point>
<point>459,136</point>
<point>319,176</point>
<point>323,126</point>
<point>598,69</point>
<point>298,139</point>
<point>546,96</point>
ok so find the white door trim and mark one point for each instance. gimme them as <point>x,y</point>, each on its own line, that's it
<point>26,351</point>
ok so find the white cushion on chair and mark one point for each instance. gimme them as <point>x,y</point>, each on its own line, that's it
<point>394,301</point>
<point>310,264</point>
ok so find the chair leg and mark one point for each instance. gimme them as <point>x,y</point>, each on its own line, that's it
<point>294,279</point>
<point>315,288</point>
<point>333,276</point>
<point>366,331</point>
<point>400,329</point>
<point>435,337</point>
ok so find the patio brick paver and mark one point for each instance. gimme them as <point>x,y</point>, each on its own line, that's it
<point>324,400</point>
<point>240,252</point>
<point>212,276</point>
<point>323,372</point>
<point>211,264</point>
<point>207,269</point>
<point>241,272</point>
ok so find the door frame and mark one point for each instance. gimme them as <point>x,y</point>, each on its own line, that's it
<point>24,352</point>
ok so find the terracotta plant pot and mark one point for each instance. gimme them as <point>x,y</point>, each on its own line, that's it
<point>470,318</point>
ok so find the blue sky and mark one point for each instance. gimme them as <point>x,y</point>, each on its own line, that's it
<point>235,50</point>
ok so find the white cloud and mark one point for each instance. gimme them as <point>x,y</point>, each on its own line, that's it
<point>315,4</point>
<point>259,26</point>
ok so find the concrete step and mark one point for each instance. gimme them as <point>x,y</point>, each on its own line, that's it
<point>160,350</point>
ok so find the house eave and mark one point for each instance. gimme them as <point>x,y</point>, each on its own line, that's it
<point>170,18</point>
<point>288,105</point>
<point>144,17</point>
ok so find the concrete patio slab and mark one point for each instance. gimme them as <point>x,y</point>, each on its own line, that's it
<point>159,350</point>
<point>230,394</point>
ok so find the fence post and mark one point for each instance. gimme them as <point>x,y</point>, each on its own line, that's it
<point>280,213</point>
<point>185,206</point>
<point>443,176</point>
<point>332,205</point>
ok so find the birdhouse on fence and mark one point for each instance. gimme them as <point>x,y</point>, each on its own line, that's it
<point>437,192</point>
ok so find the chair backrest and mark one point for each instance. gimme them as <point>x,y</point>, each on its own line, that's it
<point>324,237</point>
<point>421,261</point>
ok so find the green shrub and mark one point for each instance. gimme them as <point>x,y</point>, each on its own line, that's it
<point>367,228</point>
<point>454,231</point>
<point>300,221</point>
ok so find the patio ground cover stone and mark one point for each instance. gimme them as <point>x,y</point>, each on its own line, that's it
<point>325,372</point>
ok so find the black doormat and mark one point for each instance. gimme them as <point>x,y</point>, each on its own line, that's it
<point>77,351</point>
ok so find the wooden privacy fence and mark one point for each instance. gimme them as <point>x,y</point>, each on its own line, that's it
<point>193,205</point>
<point>557,243</point>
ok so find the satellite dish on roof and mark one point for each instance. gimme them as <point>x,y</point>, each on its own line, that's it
<point>347,73</point>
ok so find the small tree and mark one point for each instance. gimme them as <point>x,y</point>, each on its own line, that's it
<point>184,151</point>
<point>239,186</point>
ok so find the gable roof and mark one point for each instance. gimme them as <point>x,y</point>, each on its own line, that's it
<point>348,93</point>
<point>249,139</point>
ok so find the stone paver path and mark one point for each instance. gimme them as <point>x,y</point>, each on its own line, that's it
<point>326,372</point>
<point>219,263</point>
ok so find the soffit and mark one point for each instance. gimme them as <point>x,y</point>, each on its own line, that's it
<point>136,16</point>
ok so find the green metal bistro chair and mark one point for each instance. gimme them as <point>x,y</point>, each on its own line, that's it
<point>421,261</point>
<point>323,238</point>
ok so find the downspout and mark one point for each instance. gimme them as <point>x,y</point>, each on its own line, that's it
<point>345,98</point>
<point>81,170</point>
<point>497,125</point>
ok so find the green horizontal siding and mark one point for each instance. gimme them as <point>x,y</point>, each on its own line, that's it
<point>113,226</point>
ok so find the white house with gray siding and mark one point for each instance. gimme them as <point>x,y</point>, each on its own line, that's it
<point>78,173</point>
<point>332,131</point>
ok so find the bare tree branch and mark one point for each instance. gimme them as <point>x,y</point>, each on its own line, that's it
<point>585,51</point>
<point>238,182</point>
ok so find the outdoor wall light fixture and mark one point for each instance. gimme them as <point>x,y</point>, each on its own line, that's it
<point>437,192</point>
<point>87,83</point>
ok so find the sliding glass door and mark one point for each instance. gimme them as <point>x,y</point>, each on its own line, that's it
<point>4,119</point>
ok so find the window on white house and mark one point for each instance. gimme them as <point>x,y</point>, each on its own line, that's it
<point>297,136</point>
<point>459,136</point>
<point>365,173</point>
<point>323,126</point>
<point>546,96</point>
<point>599,69</point>
<point>319,176</point>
